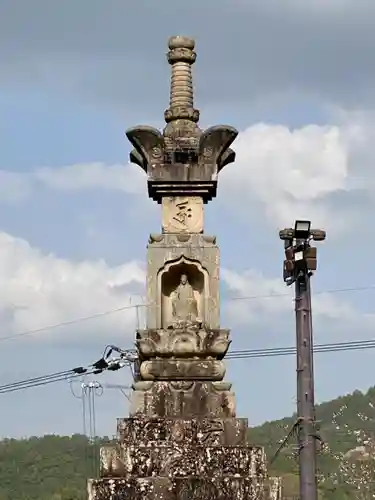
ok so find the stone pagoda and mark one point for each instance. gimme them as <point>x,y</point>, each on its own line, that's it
<point>182,439</point>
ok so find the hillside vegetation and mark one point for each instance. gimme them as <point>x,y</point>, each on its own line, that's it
<point>56,467</point>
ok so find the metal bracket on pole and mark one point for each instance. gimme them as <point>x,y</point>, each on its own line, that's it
<point>299,264</point>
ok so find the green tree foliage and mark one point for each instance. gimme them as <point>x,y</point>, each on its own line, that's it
<point>57,467</point>
<point>344,424</point>
<point>47,468</point>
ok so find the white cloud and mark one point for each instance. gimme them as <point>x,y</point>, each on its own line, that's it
<point>39,290</point>
<point>252,293</point>
<point>16,187</point>
<point>267,301</point>
<point>292,173</point>
<point>289,171</point>
<point>296,173</point>
<point>128,178</point>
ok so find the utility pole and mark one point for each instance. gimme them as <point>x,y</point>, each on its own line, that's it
<point>299,264</point>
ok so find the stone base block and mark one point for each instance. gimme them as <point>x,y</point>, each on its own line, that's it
<point>166,431</point>
<point>185,341</point>
<point>182,461</point>
<point>184,399</point>
<point>179,488</point>
<point>182,369</point>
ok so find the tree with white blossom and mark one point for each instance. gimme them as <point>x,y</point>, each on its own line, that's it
<point>354,469</point>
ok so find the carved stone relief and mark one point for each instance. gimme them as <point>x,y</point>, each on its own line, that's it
<point>183,342</point>
<point>185,399</point>
<point>170,461</point>
<point>181,488</point>
<point>182,214</point>
<point>184,304</point>
<point>195,255</point>
<point>183,287</point>
<point>182,369</point>
<point>163,431</point>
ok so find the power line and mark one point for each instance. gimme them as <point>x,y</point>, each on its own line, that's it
<point>316,292</point>
<point>63,375</point>
<point>43,377</point>
<point>286,351</point>
<point>238,354</point>
<point>69,322</point>
<point>96,367</point>
<point>137,306</point>
<point>126,358</point>
<point>28,384</point>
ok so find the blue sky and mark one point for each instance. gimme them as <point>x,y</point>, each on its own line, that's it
<point>75,217</point>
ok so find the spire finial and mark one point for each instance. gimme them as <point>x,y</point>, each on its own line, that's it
<point>181,56</point>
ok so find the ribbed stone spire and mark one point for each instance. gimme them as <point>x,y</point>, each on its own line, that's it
<point>181,56</point>
<point>182,160</point>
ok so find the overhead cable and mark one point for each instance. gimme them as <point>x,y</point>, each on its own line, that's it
<point>104,363</point>
<point>137,306</point>
<point>128,357</point>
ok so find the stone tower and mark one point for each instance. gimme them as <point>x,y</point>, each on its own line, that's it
<point>182,439</point>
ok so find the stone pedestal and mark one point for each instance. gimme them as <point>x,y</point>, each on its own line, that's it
<point>182,440</point>
<point>188,488</point>
<point>175,458</point>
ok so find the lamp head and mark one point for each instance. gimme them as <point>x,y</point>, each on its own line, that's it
<point>318,234</point>
<point>286,234</point>
<point>302,229</point>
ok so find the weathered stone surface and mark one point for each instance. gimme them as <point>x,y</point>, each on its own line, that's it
<point>183,302</point>
<point>182,369</point>
<point>183,160</point>
<point>182,460</point>
<point>129,489</point>
<point>170,256</point>
<point>190,399</point>
<point>192,488</point>
<point>164,431</point>
<point>189,341</point>
<point>182,440</point>
<point>182,214</point>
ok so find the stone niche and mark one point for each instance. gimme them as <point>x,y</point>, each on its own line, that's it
<point>192,279</point>
<point>183,281</point>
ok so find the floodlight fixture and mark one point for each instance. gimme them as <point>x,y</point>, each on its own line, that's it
<point>286,234</point>
<point>318,234</point>
<point>302,229</point>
